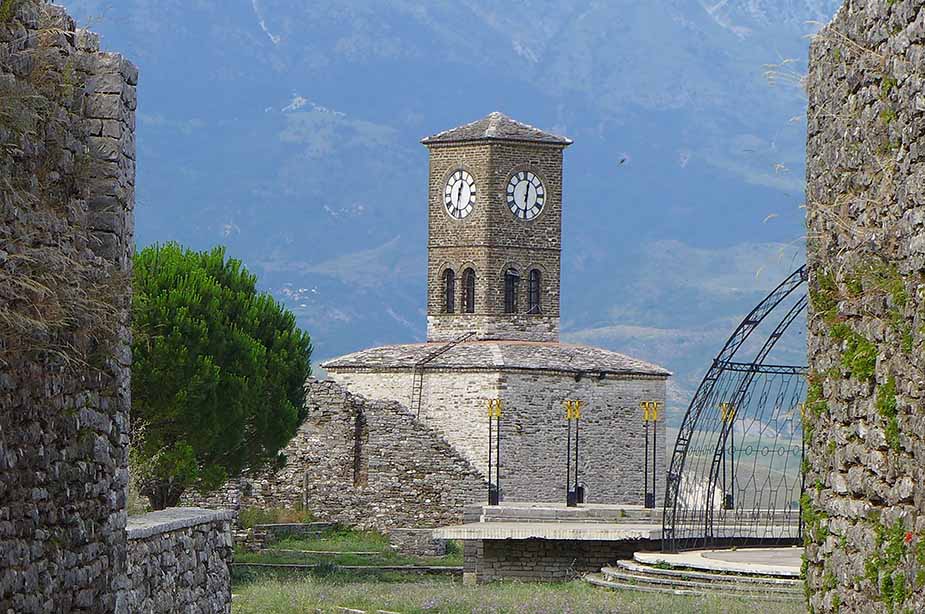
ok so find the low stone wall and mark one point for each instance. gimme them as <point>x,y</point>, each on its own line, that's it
<point>178,561</point>
<point>420,542</point>
<point>543,560</point>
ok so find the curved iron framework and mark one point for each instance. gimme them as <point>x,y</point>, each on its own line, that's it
<point>735,475</point>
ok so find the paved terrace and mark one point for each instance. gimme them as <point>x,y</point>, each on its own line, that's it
<point>529,520</point>
<point>588,522</point>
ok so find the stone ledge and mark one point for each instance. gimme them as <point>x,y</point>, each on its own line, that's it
<point>172,519</point>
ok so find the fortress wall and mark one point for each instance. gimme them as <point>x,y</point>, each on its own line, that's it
<point>67,168</point>
<point>67,173</point>
<point>864,506</point>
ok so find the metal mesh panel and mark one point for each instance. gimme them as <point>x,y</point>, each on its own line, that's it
<point>735,475</point>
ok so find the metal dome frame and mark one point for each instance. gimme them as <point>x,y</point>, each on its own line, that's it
<point>712,424</point>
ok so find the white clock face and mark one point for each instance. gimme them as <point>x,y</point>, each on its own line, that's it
<point>459,194</point>
<point>526,195</point>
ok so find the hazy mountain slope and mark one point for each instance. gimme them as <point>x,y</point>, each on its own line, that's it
<point>289,131</point>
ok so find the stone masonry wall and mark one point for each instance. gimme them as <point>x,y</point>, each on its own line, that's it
<point>612,444</point>
<point>178,561</point>
<point>546,560</point>
<point>864,506</point>
<point>364,463</point>
<point>67,166</point>
<point>533,438</point>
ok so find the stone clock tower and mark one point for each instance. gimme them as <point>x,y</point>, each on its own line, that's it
<point>494,231</point>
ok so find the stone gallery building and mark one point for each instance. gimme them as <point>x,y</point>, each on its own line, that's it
<point>401,435</point>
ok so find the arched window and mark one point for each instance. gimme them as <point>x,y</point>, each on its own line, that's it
<point>449,291</point>
<point>533,292</point>
<point>468,303</point>
<point>511,281</point>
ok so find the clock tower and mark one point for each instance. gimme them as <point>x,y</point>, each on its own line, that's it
<point>494,231</point>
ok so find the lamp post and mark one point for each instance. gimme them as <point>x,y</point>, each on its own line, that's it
<point>650,414</point>
<point>572,413</point>
<point>494,419</point>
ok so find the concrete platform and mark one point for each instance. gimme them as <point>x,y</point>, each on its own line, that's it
<point>553,530</point>
<point>775,562</point>
<point>551,521</point>
<point>558,512</point>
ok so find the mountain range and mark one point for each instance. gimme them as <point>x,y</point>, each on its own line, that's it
<point>289,132</point>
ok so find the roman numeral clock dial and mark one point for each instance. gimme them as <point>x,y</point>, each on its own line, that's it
<point>459,194</point>
<point>526,195</point>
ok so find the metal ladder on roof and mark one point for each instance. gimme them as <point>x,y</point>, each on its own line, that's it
<point>417,378</point>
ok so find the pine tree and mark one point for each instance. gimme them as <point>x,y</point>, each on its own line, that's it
<point>218,372</point>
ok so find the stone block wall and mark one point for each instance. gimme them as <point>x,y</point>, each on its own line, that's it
<point>544,560</point>
<point>612,436</point>
<point>364,463</point>
<point>533,428</point>
<point>864,506</point>
<point>67,166</point>
<point>179,561</point>
<point>420,542</point>
<point>452,403</point>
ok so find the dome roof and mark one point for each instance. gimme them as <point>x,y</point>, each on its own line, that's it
<point>500,355</point>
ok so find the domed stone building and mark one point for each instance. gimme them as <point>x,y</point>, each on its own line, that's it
<point>494,252</point>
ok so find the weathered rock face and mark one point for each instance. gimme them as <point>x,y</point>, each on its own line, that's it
<point>67,115</point>
<point>178,561</point>
<point>865,502</point>
<point>365,463</point>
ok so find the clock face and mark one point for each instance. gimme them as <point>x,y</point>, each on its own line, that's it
<point>459,194</point>
<point>526,195</point>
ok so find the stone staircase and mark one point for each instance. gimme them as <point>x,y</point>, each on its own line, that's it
<point>634,575</point>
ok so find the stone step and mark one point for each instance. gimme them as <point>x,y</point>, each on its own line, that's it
<point>599,580</point>
<point>634,567</point>
<point>778,562</point>
<point>722,584</point>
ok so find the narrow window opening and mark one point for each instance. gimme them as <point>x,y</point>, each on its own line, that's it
<point>511,281</point>
<point>360,453</point>
<point>469,291</point>
<point>534,292</point>
<point>449,291</point>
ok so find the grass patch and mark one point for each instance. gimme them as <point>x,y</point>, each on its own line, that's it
<point>345,542</point>
<point>250,516</point>
<point>268,596</point>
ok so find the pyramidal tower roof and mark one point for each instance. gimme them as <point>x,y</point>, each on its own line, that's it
<point>496,127</point>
